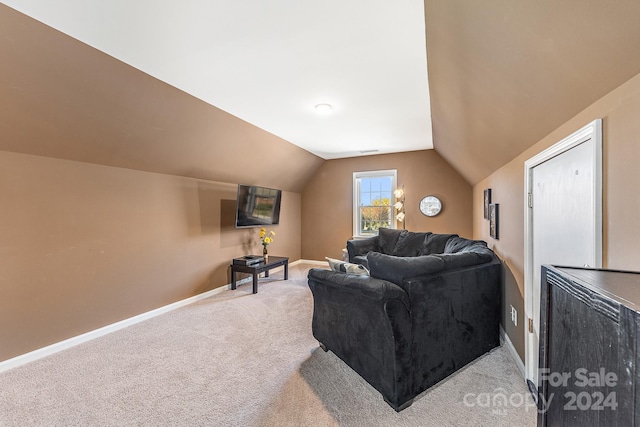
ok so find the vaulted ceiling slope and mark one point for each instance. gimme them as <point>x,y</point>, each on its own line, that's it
<point>271,62</point>
<point>64,99</point>
<point>503,74</point>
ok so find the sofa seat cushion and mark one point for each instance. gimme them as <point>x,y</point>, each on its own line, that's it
<point>396,269</point>
<point>410,244</point>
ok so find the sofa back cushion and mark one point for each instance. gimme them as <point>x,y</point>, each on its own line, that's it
<point>462,259</point>
<point>387,239</point>
<point>459,244</point>
<point>460,252</point>
<point>396,269</point>
<point>410,244</point>
<point>435,243</point>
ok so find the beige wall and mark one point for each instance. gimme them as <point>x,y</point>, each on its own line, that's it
<point>84,246</point>
<point>327,199</point>
<point>620,110</point>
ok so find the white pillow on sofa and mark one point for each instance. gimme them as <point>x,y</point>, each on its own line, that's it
<point>346,267</point>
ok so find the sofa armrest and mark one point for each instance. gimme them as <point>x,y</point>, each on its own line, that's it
<point>366,322</point>
<point>358,247</point>
<point>456,318</point>
<point>360,285</point>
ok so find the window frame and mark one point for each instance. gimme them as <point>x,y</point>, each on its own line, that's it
<point>357,176</point>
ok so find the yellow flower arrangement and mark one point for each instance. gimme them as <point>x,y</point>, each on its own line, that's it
<point>266,237</point>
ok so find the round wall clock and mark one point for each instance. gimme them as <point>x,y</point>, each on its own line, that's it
<point>430,206</point>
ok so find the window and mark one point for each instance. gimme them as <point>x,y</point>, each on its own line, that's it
<point>373,201</point>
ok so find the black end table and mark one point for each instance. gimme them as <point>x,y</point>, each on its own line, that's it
<point>255,269</point>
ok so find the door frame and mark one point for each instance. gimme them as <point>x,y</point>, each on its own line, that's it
<point>593,131</point>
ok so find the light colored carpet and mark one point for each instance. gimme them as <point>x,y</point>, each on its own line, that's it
<point>238,359</point>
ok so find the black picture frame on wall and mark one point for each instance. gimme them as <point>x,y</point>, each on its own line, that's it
<point>487,202</point>
<point>494,221</point>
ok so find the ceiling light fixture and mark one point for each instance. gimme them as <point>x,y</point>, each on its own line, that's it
<point>323,108</point>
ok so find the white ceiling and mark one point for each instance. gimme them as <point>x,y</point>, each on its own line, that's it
<point>270,63</point>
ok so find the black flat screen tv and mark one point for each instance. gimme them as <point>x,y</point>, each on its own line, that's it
<point>257,206</point>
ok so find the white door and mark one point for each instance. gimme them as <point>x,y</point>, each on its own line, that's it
<point>564,219</point>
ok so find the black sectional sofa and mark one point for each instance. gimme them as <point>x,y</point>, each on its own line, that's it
<point>429,306</point>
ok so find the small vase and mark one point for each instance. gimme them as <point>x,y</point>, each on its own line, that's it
<point>265,254</point>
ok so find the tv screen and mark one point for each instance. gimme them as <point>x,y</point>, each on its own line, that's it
<point>257,206</point>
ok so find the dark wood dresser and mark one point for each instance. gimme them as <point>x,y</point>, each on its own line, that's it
<point>589,331</point>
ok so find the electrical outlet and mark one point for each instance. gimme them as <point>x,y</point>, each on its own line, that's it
<point>514,316</point>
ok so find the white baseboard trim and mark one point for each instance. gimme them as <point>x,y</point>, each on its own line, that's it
<point>516,358</point>
<point>310,261</point>
<point>88,336</point>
